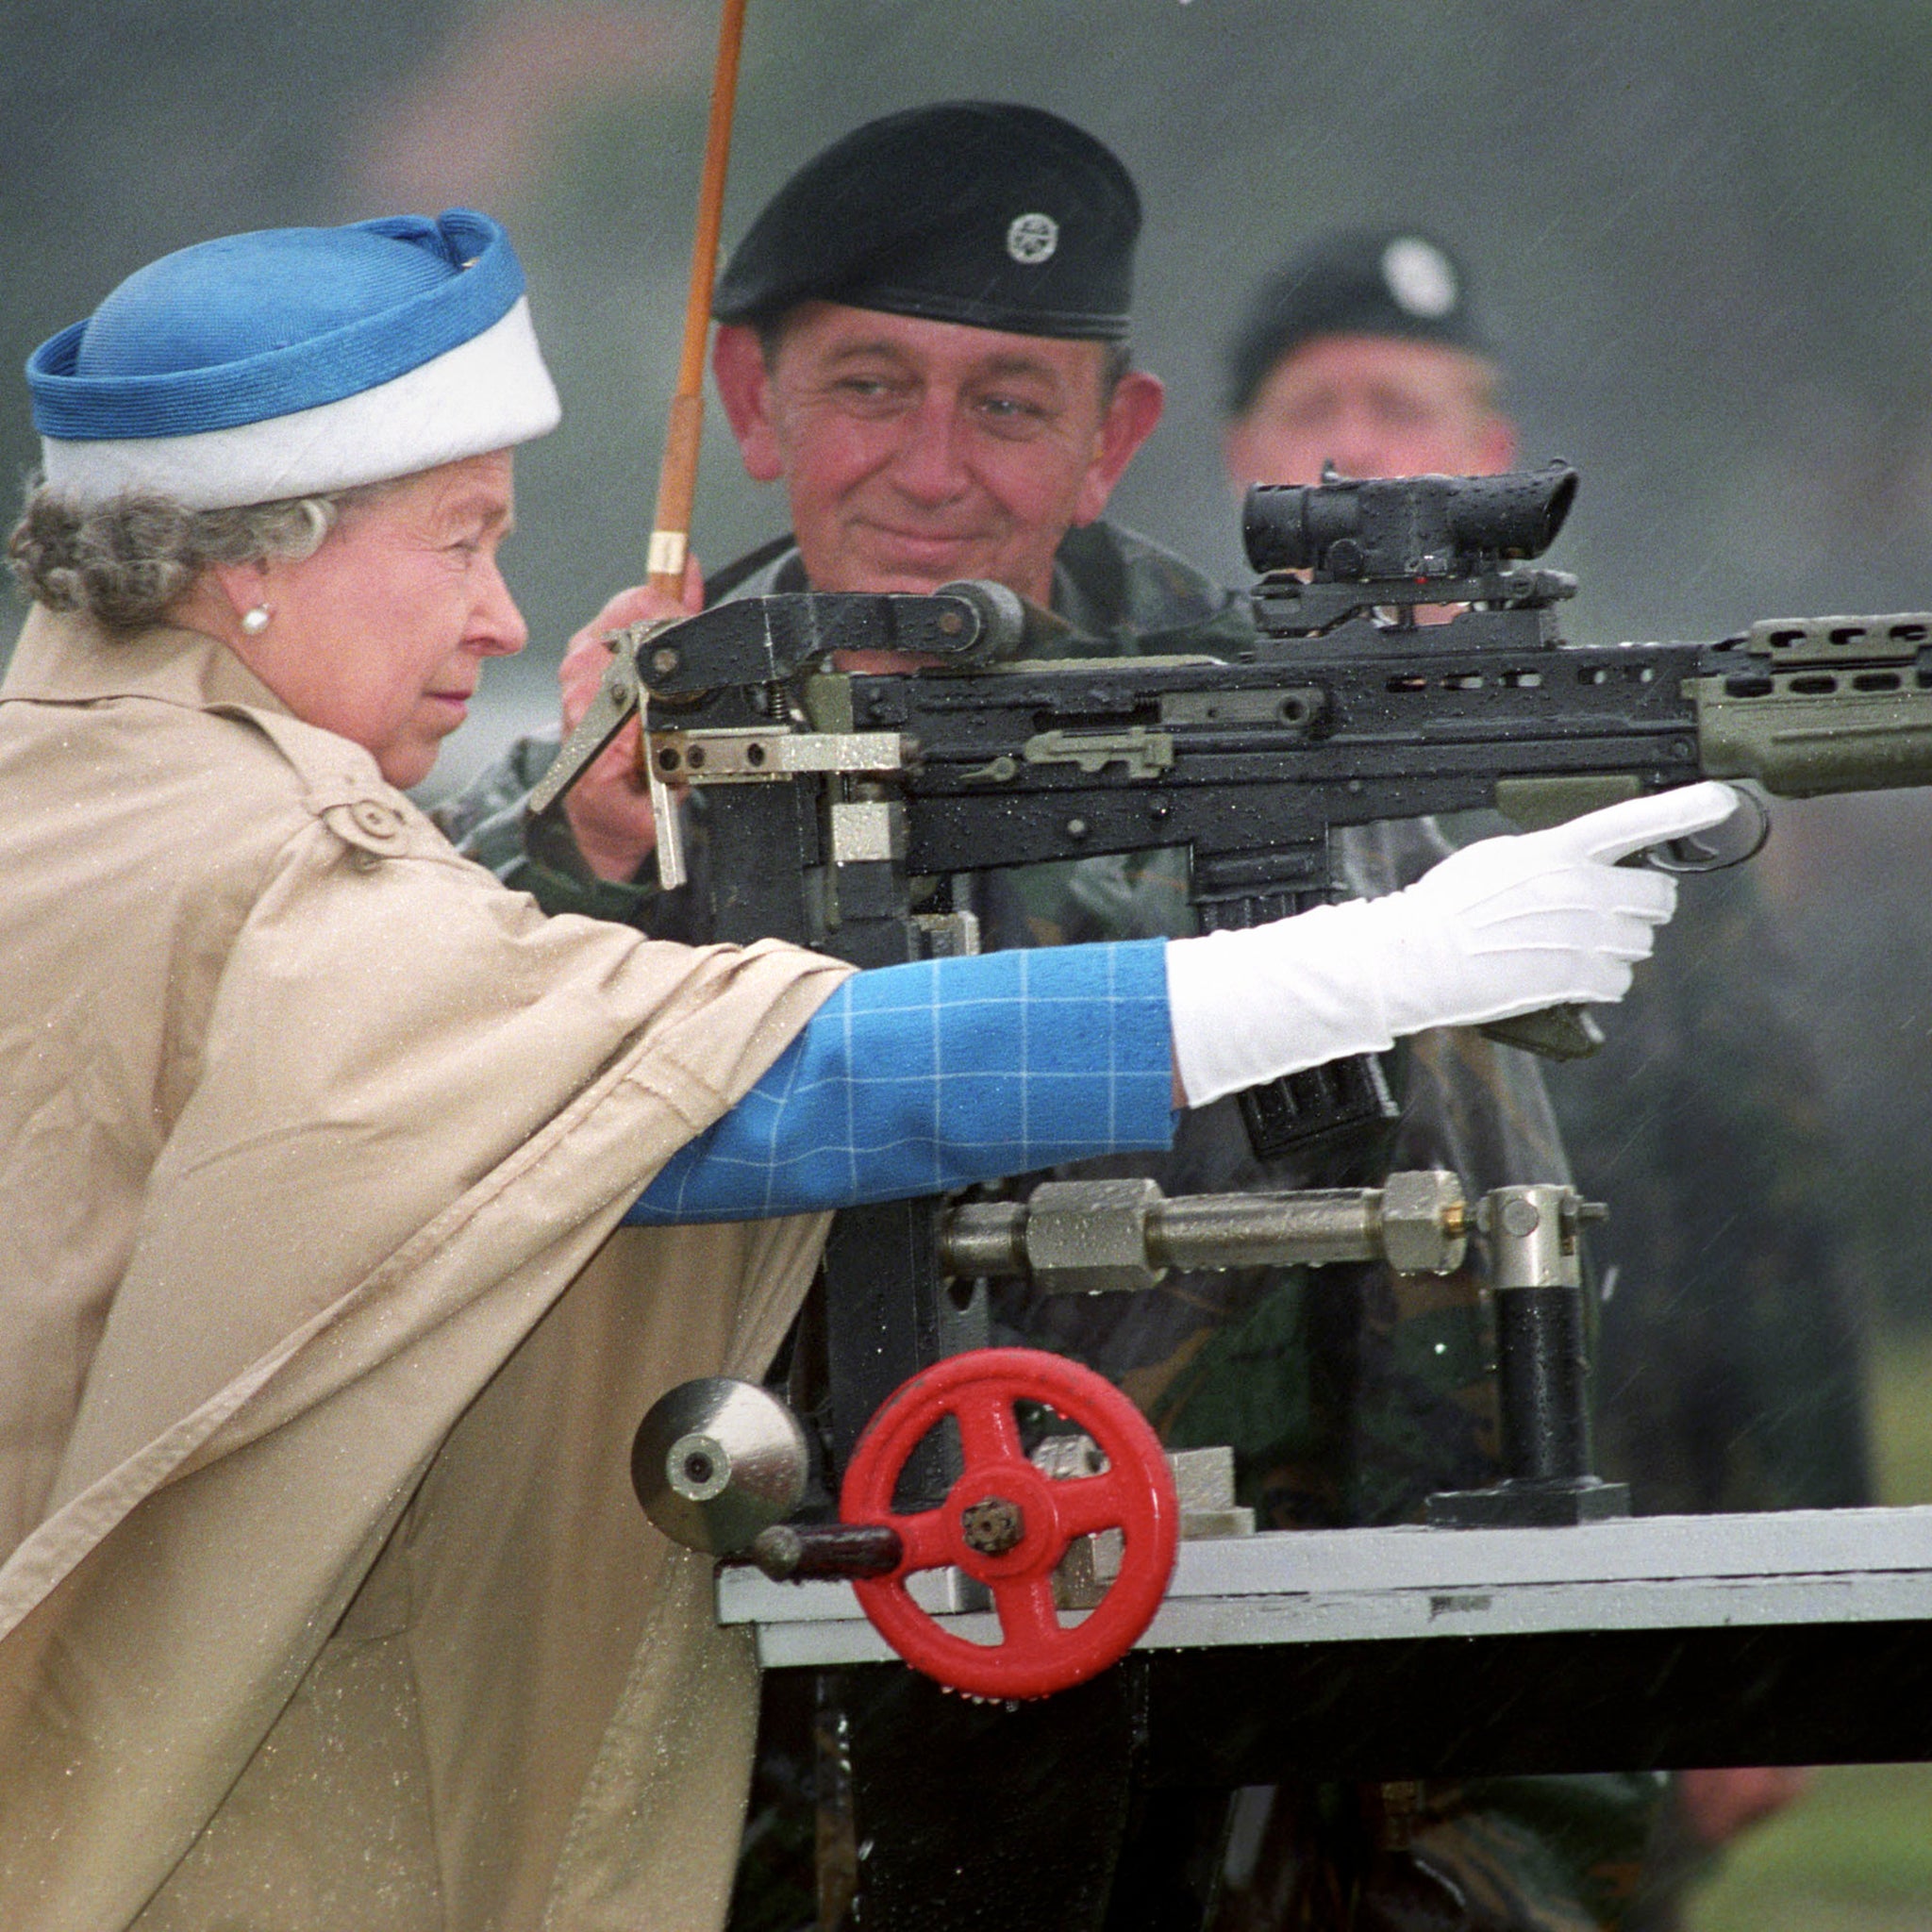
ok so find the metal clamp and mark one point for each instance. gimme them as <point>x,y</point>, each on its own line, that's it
<point>772,752</point>
<point>1094,1236</point>
<point>1542,1369</point>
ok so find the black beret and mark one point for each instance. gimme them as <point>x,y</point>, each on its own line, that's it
<point>1362,282</point>
<point>976,211</point>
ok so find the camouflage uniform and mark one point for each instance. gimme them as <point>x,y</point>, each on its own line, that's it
<point>1349,1393</point>
<point>1729,1374</point>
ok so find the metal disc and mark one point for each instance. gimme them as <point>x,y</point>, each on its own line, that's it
<point>717,1460</point>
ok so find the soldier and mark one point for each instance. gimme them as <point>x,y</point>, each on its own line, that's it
<point>926,340</point>
<point>1364,352</point>
<point>1729,1376</point>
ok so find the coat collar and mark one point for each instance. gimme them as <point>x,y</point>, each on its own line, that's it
<point>63,658</point>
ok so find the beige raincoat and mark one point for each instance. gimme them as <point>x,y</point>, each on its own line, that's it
<point>328,1603</point>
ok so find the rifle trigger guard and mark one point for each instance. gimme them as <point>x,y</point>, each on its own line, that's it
<point>1740,837</point>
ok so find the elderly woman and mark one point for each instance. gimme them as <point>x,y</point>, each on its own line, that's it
<point>321,1338</point>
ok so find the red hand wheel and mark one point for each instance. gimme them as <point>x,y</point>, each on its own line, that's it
<point>1008,1524</point>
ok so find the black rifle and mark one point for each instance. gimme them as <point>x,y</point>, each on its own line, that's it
<point>829,793</point>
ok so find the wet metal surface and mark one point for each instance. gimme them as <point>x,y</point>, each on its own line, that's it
<point>1365,1586</point>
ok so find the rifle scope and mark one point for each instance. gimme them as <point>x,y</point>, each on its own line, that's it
<point>1412,527</point>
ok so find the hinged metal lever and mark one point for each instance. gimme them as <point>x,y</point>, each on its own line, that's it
<point>620,696</point>
<point>1089,1237</point>
<point>757,640</point>
<point>767,640</point>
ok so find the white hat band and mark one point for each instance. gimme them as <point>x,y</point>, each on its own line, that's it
<point>487,393</point>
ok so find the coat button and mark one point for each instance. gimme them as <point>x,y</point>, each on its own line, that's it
<point>374,818</point>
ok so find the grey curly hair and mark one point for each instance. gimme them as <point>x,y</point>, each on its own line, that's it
<point>128,560</point>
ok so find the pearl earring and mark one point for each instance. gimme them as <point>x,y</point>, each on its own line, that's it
<point>255,621</point>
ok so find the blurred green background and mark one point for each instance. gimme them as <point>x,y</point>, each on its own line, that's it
<point>1855,1853</point>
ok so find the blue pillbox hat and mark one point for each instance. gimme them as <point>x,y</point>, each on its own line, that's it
<point>295,361</point>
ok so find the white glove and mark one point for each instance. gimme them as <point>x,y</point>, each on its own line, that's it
<point>1507,926</point>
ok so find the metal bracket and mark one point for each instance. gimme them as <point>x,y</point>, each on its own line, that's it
<point>772,752</point>
<point>1542,1369</point>
<point>619,697</point>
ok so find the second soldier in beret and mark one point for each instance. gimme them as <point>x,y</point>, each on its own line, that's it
<point>1364,351</point>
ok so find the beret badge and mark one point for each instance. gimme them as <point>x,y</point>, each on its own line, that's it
<point>1032,239</point>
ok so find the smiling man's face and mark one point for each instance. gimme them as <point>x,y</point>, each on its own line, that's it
<point>915,453</point>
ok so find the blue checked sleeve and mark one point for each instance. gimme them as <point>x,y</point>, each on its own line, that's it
<point>917,1079</point>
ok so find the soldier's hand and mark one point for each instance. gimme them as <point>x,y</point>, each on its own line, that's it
<point>1719,1805</point>
<point>609,808</point>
